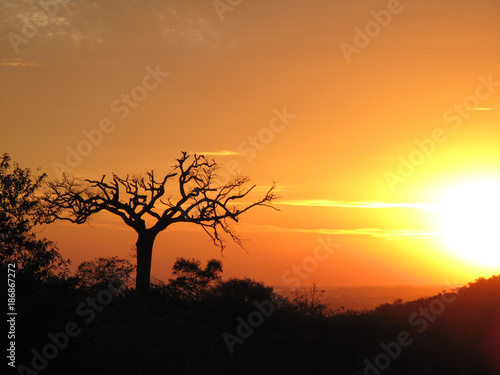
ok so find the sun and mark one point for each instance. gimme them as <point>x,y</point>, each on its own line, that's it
<point>469,217</point>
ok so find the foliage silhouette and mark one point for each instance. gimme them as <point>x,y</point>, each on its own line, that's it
<point>191,281</point>
<point>99,272</point>
<point>308,302</point>
<point>137,200</point>
<point>244,290</point>
<point>19,214</point>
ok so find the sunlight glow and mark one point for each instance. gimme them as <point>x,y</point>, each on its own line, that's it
<point>469,216</point>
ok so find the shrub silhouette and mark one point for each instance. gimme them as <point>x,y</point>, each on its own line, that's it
<point>192,282</point>
<point>19,214</point>
<point>99,272</point>
<point>308,302</point>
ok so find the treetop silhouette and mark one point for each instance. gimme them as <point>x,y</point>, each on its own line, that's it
<point>20,212</point>
<point>191,280</point>
<point>142,204</point>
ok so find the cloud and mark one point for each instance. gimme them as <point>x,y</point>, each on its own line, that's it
<point>385,234</point>
<point>354,204</point>
<point>485,109</point>
<point>18,62</point>
<point>216,153</point>
<point>89,29</point>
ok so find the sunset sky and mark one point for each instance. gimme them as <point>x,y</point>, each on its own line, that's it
<point>365,114</point>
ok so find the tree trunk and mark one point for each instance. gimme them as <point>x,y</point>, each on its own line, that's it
<point>144,254</point>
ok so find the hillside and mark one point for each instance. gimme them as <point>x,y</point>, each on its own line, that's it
<point>367,298</point>
<point>241,327</point>
<point>470,314</point>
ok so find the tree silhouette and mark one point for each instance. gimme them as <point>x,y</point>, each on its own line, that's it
<point>19,214</point>
<point>191,280</point>
<point>309,302</point>
<point>138,202</point>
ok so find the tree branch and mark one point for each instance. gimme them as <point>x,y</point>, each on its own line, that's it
<point>201,200</point>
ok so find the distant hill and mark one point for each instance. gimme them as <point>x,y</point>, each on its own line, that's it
<point>470,314</point>
<point>360,298</point>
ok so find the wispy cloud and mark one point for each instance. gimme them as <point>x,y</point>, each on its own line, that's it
<point>110,222</point>
<point>216,153</point>
<point>385,234</point>
<point>76,27</point>
<point>354,204</point>
<point>18,62</point>
<point>485,109</point>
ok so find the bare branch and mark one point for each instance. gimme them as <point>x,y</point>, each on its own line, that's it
<point>133,198</point>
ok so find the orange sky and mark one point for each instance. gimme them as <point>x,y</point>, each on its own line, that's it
<point>231,70</point>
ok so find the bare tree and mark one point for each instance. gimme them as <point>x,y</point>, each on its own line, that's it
<point>141,203</point>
